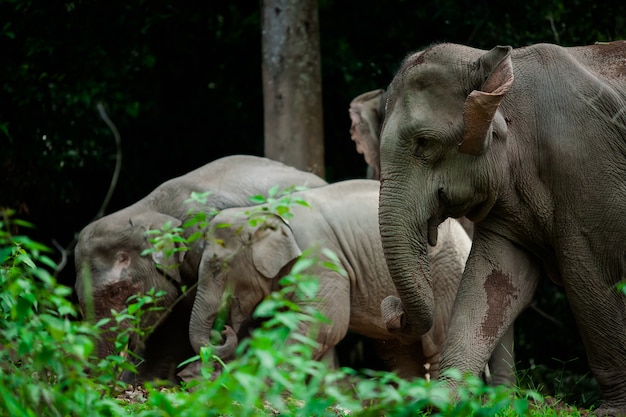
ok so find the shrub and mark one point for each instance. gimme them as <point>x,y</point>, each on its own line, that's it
<point>47,369</point>
<point>44,359</point>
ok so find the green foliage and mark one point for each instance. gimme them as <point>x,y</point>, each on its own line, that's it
<point>274,373</point>
<point>167,240</point>
<point>277,202</point>
<point>125,329</point>
<point>46,367</point>
<point>47,363</point>
<point>44,359</point>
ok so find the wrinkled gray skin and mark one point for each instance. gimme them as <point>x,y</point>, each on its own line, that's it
<point>530,144</point>
<point>250,259</point>
<point>109,250</point>
<point>367,113</point>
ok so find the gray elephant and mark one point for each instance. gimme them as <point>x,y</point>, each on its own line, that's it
<point>250,258</point>
<point>530,144</point>
<point>110,267</point>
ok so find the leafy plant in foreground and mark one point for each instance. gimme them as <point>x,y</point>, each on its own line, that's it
<point>45,351</point>
<point>45,360</point>
<point>274,373</point>
<point>47,364</point>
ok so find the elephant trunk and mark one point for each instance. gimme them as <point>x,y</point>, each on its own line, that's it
<point>403,230</point>
<point>205,309</point>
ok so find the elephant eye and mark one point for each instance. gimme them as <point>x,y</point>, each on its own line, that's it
<point>420,145</point>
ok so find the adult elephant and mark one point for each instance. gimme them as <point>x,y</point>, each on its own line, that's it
<point>110,265</point>
<point>250,256</point>
<point>530,144</point>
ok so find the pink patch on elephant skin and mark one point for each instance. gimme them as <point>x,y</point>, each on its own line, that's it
<point>499,291</point>
<point>112,297</point>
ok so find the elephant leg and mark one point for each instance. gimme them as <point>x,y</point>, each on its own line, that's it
<point>333,301</point>
<point>331,359</point>
<point>502,361</point>
<point>499,281</point>
<point>600,312</point>
<point>406,361</point>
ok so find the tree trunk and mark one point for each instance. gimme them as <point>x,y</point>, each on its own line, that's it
<point>292,88</point>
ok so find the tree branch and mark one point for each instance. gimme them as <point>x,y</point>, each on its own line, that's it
<point>118,160</point>
<point>112,185</point>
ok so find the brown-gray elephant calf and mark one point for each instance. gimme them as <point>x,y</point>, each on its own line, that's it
<point>343,217</point>
<point>110,267</point>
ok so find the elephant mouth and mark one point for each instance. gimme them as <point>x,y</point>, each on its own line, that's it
<point>476,209</point>
<point>479,211</point>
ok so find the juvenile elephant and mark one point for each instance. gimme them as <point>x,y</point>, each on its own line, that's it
<point>530,144</point>
<point>250,259</point>
<point>110,267</point>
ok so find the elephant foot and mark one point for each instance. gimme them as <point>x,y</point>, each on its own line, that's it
<point>609,410</point>
<point>392,313</point>
<point>193,372</point>
<point>190,372</point>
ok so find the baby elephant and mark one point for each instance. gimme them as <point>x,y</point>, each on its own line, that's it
<point>110,264</point>
<point>342,217</point>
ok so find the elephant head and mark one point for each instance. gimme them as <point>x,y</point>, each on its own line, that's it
<point>110,266</point>
<point>245,256</point>
<point>442,134</point>
<point>367,112</point>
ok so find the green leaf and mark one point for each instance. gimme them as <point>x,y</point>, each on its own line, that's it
<point>309,288</point>
<point>25,305</point>
<point>335,267</point>
<point>258,199</point>
<point>301,265</point>
<point>188,361</point>
<point>103,322</point>
<point>22,223</point>
<point>266,357</point>
<point>199,197</point>
<point>132,309</point>
<point>273,191</point>
<point>266,308</point>
<point>301,202</point>
<point>5,254</point>
<point>26,259</point>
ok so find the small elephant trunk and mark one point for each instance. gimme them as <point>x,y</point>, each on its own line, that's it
<point>205,309</point>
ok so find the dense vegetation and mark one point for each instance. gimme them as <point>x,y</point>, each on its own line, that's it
<point>183,84</point>
<point>48,366</point>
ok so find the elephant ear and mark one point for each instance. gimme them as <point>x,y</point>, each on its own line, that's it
<point>367,112</point>
<point>481,105</point>
<point>170,255</point>
<point>274,247</point>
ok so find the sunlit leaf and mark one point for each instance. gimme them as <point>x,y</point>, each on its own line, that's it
<point>258,199</point>
<point>301,265</point>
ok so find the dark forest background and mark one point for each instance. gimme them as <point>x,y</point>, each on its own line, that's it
<point>182,82</point>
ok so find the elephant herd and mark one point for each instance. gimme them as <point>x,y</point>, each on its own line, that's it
<point>489,170</point>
